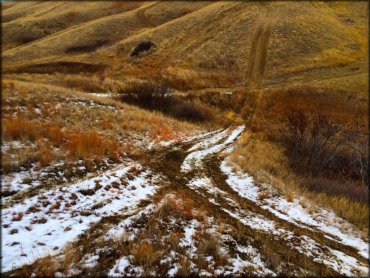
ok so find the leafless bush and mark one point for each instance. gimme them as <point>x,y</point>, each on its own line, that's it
<point>318,142</point>
<point>190,110</point>
<point>149,95</point>
<point>159,97</point>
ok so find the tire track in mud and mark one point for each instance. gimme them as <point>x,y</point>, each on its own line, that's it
<point>173,161</point>
<point>257,58</point>
<point>282,244</point>
<point>219,181</point>
<point>289,235</point>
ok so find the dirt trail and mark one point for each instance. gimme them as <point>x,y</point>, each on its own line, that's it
<point>257,58</point>
<point>298,244</point>
<point>200,171</point>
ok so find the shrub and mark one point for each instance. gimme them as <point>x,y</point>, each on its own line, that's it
<point>317,142</point>
<point>149,95</point>
<point>191,111</point>
<point>313,142</point>
<point>142,47</point>
<point>159,97</point>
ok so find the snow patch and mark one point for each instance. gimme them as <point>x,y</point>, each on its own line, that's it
<point>292,211</point>
<point>58,216</point>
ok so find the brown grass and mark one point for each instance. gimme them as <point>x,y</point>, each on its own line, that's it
<point>45,155</point>
<point>45,267</point>
<point>188,79</point>
<point>90,144</point>
<point>267,163</point>
<point>48,116</point>
<point>185,268</point>
<point>55,134</point>
<point>21,129</point>
<point>210,246</point>
<point>179,208</point>
<point>17,217</point>
<point>144,254</point>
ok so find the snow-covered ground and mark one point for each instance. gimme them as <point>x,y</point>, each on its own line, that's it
<point>209,146</point>
<point>45,223</point>
<point>293,211</point>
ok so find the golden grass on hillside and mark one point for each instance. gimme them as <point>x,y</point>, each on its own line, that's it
<point>213,40</point>
<point>63,123</point>
<point>187,79</point>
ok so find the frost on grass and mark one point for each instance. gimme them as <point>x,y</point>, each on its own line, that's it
<point>293,211</point>
<point>58,216</point>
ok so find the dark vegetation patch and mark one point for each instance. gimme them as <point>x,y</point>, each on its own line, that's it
<point>325,137</point>
<point>239,102</point>
<point>142,47</point>
<point>61,67</point>
<point>338,188</point>
<point>159,97</point>
<point>7,193</point>
<point>86,47</point>
<point>27,39</point>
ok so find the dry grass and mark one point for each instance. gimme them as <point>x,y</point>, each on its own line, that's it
<point>201,55</point>
<point>185,268</point>
<point>21,129</point>
<point>268,164</point>
<point>188,79</point>
<point>144,254</point>
<point>45,267</point>
<point>91,145</point>
<point>267,151</point>
<point>54,123</point>
<point>93,83</point>
<point>70,255</point>
<point>55,134</point>
<point>181,209</point>
<point>45,155</point>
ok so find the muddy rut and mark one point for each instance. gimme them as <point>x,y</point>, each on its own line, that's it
<point>293,242</point>
<point>199,169</point>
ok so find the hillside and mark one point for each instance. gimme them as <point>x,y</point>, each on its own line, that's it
<point>183,138</point>
<point>308,42</point>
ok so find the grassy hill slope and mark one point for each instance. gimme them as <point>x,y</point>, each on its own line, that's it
<point>309,42</point>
